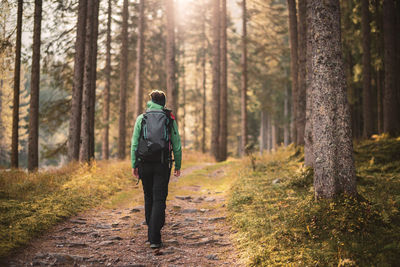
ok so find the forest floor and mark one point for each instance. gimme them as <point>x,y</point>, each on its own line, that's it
<point>195,233</point>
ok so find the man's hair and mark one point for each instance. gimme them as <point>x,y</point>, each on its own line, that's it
<point>158,97</point>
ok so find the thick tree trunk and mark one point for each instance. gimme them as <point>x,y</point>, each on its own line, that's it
<point>76,101</point>
<point>106,94</point>
<point>366,95</point>
<point>215,79</point>
<point>17,79</point>
<point>293,66</point>
<point>390,121</point>
<point>172,93</point>
<point>84,152</point>
<point>33,143</point>
<point>93,78</point>
<point>244,79</point>
<point>139,62</point>
<point>308,141</point>
<point>334,171</point>
<point>302,50</point>
<point>123,82</point>
<point>223,123</point>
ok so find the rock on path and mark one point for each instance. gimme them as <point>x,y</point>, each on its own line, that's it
<point>192,236</point>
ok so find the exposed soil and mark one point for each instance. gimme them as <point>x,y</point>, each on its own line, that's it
<point>192,236</point>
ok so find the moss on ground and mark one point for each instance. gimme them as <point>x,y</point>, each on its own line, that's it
<point>278,222</point>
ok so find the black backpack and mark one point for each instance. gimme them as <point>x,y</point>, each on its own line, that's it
<point>155,139</point>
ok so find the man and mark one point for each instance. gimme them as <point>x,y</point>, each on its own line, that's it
<point>155,133</point>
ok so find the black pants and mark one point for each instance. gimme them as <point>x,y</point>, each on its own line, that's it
<point>155,179</point>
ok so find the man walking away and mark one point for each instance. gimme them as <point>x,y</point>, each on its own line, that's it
<point>155,137</point>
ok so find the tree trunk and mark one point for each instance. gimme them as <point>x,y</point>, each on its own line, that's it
<point>379,70</point>
<point>286,126</point>
<point>223,123</point>
<point>139,62</point>
<point>398,61</point>
<point>181,38</point>
<point>123,82</point>
<point>33,145</point>
<point>84,153</point>
<point>334,171</point>
<point>274,134</point>
<point>204,82</point>
<point>302,72</point>
<point>379,88</point>
<point>390,122</point>
<point>94,78</point>
<point>293,66</point>
<point>366,94</point>
<point>244,79</point>
<point>269,131</point>
<point>76,101</point>
<point>17,79</point>
<point>215,79</point>
<point>286,131</point>
<point>308,141</point>
<point>170,57</point>
<point>263,133</point>
<point>106,94</point>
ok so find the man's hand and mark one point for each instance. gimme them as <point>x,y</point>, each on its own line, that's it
<point>177,173</point>
<point>135,172</point>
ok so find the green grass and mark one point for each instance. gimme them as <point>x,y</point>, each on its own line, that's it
<point>32,202</point>
<point>281,223</point>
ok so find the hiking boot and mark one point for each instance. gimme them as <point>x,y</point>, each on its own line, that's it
<point>154,246</point>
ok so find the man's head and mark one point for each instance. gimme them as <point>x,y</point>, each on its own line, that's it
<point>158,97</point>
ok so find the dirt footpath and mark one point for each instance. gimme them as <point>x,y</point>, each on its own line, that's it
<point>192,236</point>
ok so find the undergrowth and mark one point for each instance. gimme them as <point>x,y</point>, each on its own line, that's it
<point>32,202</point>
<point>278,222</point>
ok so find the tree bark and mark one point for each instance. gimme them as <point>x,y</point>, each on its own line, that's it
<point>123,82</point>
<point>286,126</point>
<point>33,143</point>
<point>106,94</point>
<point>170,57</point>
<point>293,66</point>
<point>366,95</point>
<point>380,68</point>
<point>269,131</point>
<point>334,171</point>
<point>274,134</point>
<point>17,79</point>
<point>223,123</point>
<point>244,79</point>
<point>93,78</point>
<point>308,140</point>
<point>302,75</point>
<point>76,101</point>
<point>263,134</point>
<point>139,62</point>
<point>84,152</point>
<point>390,122</point>
<point>204,85</point>
<point>215,79</point>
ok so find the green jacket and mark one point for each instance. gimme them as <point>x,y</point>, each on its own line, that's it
<point>175,138</point>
